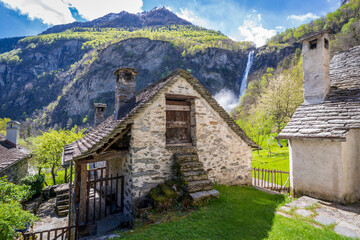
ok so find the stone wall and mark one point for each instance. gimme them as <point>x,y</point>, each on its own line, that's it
<point>16,172</point>
<point>224,154</point>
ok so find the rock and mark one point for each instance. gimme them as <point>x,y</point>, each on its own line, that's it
<point>325,219</point>
<point>303,212</point>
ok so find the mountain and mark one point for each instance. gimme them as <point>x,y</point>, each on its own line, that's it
<point>52,79</point>
<point>156,17</point>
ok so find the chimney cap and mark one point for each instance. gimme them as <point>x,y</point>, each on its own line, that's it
<point>100,105</point>
<point>126,70</point>
<point>314,35</point>
<point>12,124</point>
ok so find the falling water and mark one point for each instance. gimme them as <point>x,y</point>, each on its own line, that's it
<point>246,74</point>
<point>226,97</point>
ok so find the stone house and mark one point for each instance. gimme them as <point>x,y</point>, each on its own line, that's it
<point>174,120</point>
<point>13,157</point>
<point>324,132</point>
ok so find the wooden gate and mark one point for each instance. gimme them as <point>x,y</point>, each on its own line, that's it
<point>105,195</point>
<point>178,122</point>
<point>275,180</point>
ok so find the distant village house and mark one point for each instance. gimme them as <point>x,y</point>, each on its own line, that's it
<point>324,132</point>
<point>13,157</point>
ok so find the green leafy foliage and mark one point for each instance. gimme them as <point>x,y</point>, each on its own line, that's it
<point>12,216</point>
<point>49,146</point>
<point>36,182</point>
<point>190,38</point>
<point>269,102</point>
<point>3,122</point>
<point>348,37</point>
<point>335,21</point>
<point>12,192</point>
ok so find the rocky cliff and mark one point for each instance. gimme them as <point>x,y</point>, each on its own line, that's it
<point>56,80</point>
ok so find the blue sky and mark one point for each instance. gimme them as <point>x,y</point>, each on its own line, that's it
<point>253,20</point>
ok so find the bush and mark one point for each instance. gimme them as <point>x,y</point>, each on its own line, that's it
<point>12,192</point>
<point>36,182</point>
<point>13,217</point>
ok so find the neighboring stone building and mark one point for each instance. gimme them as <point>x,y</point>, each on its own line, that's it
<point>175,120</point>
<point>324,132</point>
<point>13,157</point>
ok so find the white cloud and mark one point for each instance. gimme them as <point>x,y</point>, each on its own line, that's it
<point>190,16</point>
<point>303,18</point>
<point>91,9</point>
<point>252,30</point>
<point>50,11</point>
<point>57,11</point>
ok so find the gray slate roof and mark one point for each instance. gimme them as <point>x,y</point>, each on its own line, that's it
<point>102,136</point>
<point>340,111</point>
<point>9,155</point>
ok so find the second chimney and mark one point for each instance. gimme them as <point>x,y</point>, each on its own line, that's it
<point>125,87</point>
<point>316,67</point>
<point>12,132</point>
<point>100,110</point>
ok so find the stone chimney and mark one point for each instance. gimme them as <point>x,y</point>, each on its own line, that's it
<point>100,110</point>
<point>316,67</point>
<point>12,132</point>
<point>125,87</point>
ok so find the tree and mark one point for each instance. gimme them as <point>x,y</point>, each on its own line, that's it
<point>49,146</point>
<point>283,96</point>
<point>3,122</point>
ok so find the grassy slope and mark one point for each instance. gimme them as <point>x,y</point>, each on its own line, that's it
<point>239,213</point>
<point>279,159</point>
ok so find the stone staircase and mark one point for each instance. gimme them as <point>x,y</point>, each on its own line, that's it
<point>62,200</point>
<point>191,171</point>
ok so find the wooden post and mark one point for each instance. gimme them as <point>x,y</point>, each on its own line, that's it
<point>83,192</point>
<point>254,176</point>
<point>262,178</point>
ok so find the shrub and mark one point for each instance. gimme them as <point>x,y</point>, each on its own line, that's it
<point>12,192</point>
<point>13,217</point>
<point>36,183</point>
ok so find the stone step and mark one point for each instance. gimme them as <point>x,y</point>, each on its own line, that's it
<point>183,150</point>
<point>62,202</point>
<point>63,213</point>
<point>191,166</point>
<point>201,185</point>
<point>195,175</point>
<point>199,196</point>
<point>61,208</point>
<point>184,158</point>
<point>62,196</point>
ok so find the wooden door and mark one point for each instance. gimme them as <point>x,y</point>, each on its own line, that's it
<point>178,122</point>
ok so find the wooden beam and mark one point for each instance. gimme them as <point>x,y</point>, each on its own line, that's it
<point>179,97</point>
<point>107,156</point>
<point>83,192</point>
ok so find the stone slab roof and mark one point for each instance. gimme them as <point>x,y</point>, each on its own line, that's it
<point>9,155</point>
<point>340,111</point>
<point>103,135</point>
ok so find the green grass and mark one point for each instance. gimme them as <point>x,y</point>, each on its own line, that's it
<point>59,178</point>
<point>239,213</point>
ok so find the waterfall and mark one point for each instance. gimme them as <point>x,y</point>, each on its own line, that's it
<point>246,73</point>
<point>227,98</point>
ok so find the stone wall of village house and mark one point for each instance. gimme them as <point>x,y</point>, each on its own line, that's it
<point>122,167</point>
<point>224,155</point>
<point>326,170</point>
<point>16,172</point>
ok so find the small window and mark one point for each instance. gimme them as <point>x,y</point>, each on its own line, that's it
<point>326,43</point>
<point>313,44</point>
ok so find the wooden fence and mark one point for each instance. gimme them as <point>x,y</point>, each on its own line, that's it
<point>63,233</point>
<point>275,180</point>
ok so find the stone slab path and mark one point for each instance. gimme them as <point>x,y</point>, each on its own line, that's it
<point>48,218</point>
<point>345,219</point>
